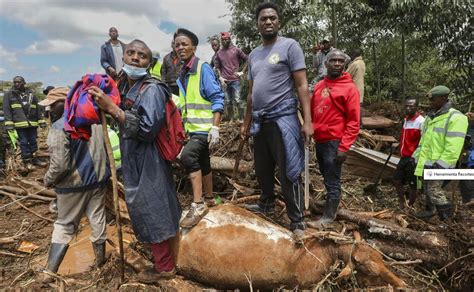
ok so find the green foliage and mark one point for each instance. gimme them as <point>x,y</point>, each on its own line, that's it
<point>438,39</point>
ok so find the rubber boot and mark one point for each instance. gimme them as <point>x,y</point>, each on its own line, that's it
<point>56,254</point>
<point>330,210</point>
<point>429,211</point>
<point>445,211</point>
<point>99,252</point>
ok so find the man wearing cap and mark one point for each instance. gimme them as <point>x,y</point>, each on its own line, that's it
<point>201,101</point>
<point>111,54</point>
<point>319,59</point>
<point>277,83</point>
<point>22,113</point>
<point>227,63</point>
<point>79,172</point>
<point>441,143</point>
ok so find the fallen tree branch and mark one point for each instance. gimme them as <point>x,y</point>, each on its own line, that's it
<point>7,253</point>
<point>43,190</point>
<point>455,260</point>
<point>12,197</point>
<point>20,192</point>
<point>402,253</point>
<point>245,199</point>
<point>424,239</point>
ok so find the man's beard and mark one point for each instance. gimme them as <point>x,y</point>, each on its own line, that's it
<point>269,36</point>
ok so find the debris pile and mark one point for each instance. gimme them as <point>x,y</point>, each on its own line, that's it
<point>421,254</point>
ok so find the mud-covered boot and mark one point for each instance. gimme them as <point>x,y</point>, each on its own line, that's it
<point>445,212</point>
<point>37,162</point>
<point>26,166</point>
<point>429,211</point>
<point>151,276</point>
<point>99,252</point>
<point>56,254</point>
<point>329,214</point>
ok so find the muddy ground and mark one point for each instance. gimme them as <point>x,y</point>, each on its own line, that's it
<point>21,258</point>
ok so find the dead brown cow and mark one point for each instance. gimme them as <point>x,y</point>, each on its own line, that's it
<point>231,247</point>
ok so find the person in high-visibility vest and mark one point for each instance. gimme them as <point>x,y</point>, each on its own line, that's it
<point>441,142</point>
<point>156,69</point>
<point>201,101</point>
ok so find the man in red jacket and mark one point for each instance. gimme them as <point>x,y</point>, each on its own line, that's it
<point>335,111</point>
<point>409,139</point>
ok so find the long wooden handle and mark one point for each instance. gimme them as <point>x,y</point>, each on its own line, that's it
<point>110,155</point>
<point>306,177</point>
<point>238,157</point>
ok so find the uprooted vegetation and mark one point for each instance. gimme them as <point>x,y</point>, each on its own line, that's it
<point>423,254</point>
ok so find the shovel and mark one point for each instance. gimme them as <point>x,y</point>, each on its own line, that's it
<point>373,189</point>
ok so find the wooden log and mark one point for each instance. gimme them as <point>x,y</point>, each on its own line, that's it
<point>227,164</point>
<point>14,190</point>
<point>38,186</point>
<point>377,122</point>
<point>432,258</point>
<point>423,239</point>
<point>20,192</point>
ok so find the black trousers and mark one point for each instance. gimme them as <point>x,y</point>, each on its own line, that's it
<point>269,153</point>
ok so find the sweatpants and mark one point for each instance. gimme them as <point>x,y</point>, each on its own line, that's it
<point>269,153</point>
<point>72,206</point>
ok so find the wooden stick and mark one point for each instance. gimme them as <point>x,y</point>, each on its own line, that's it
<point>12,197</point>
<point>108,148</point>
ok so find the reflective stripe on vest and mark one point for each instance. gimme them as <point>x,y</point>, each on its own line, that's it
<point>195,110</point>
<point>15,105</point>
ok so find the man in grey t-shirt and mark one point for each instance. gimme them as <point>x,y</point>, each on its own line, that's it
<point>276,70</point>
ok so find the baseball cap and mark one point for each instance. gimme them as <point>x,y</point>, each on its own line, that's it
<point>56,94</point>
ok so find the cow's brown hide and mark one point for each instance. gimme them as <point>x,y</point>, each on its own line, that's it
<point>231,247</point>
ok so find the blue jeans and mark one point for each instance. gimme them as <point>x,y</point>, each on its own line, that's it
<point>232,93</point>
<point>28,145</point>
<point>330,169</point>
<point>233,103</point>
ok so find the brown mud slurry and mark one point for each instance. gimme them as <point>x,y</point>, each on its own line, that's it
<point>19,269</point>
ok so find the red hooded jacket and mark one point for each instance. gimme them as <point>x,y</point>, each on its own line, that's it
<point>335,110</point>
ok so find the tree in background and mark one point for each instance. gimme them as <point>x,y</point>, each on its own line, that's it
<point>409,45</point>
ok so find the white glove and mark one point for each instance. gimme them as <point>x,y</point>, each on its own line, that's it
<point>213,136</point>
<point>223,81</point>
<point>239,74</point>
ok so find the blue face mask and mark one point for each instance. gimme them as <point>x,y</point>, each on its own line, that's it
<point>133,72</point>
